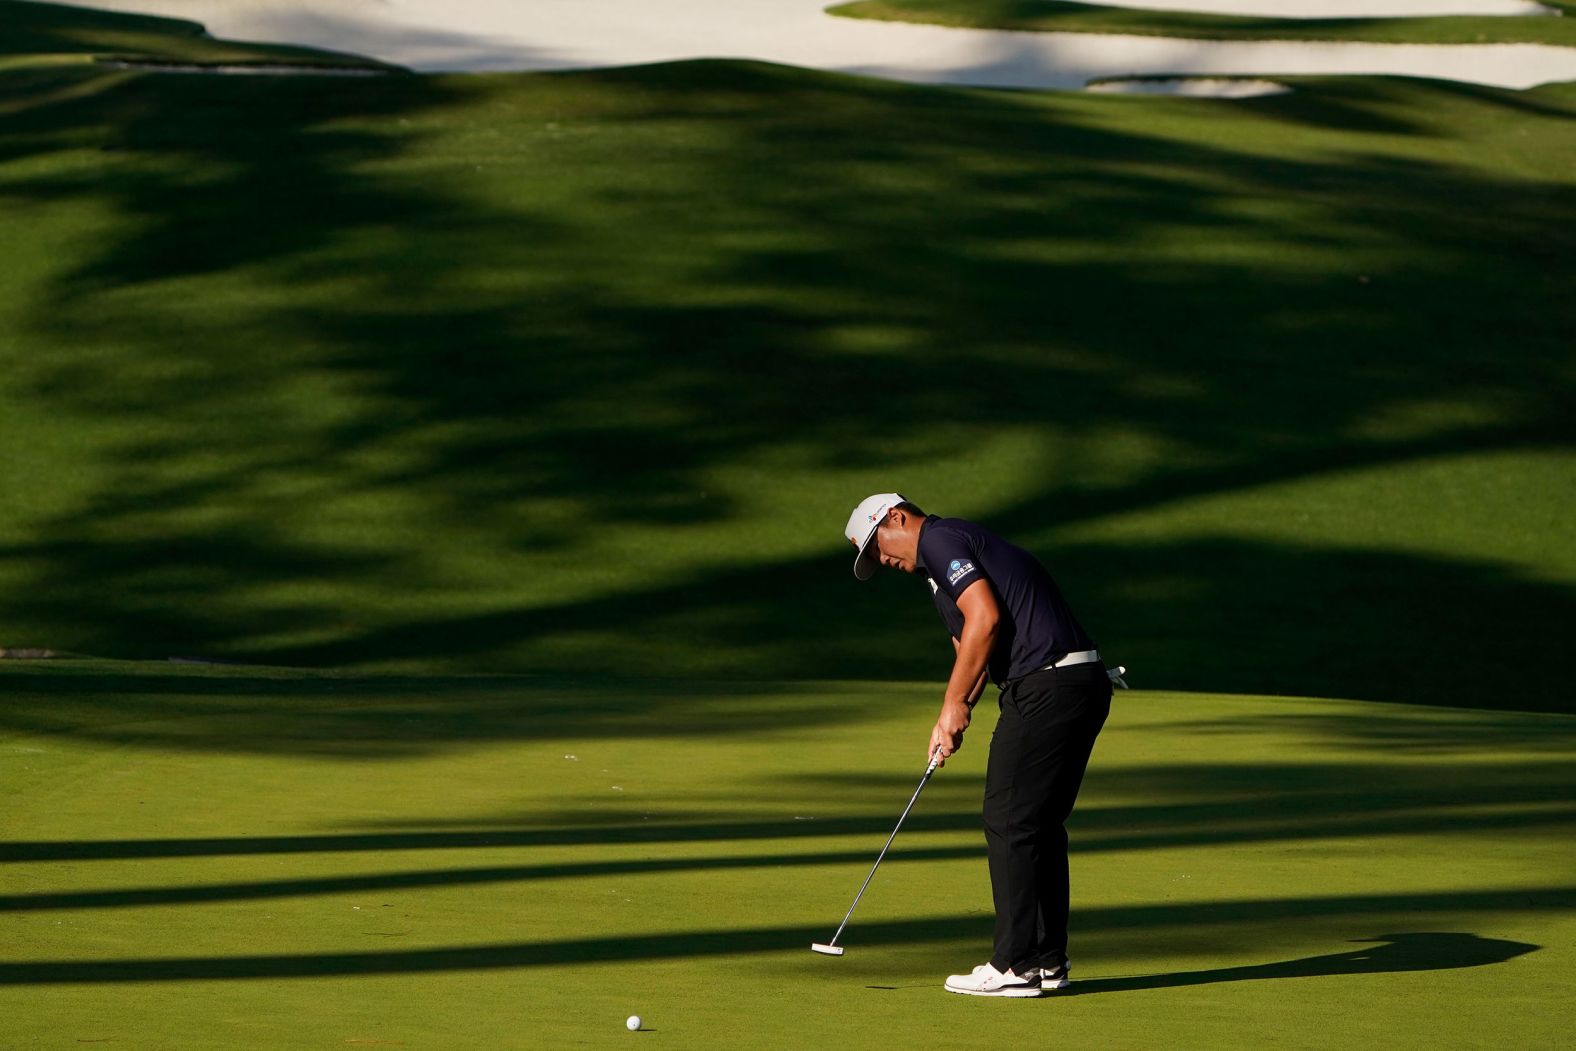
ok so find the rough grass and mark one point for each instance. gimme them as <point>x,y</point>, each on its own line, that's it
<point>218,857</point>
<point>1058,16</point>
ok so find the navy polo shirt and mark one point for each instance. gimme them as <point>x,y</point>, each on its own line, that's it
<point>1037,626</point>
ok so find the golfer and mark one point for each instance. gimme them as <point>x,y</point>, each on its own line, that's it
<point>1009,624</point>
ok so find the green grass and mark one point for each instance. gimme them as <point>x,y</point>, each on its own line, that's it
<point>576,376</point>
<point>553,373</point>
<point>219,857</point>
<point>48,34</point>
<point>1057,16</point>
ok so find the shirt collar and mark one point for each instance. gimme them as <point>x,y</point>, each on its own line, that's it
<point>919,558</point>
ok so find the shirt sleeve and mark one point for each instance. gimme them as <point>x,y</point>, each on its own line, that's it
<point>951,616</point>
<point>951,562</point>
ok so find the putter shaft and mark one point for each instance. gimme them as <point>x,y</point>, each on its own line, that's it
<point>935,761</point>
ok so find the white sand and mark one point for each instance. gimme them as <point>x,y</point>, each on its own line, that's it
<point>1193,87</point>
<point>484,35</point>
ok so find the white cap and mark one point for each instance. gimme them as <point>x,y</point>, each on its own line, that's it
<point>862,524</point>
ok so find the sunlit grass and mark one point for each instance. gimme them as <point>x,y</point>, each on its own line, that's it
<point>459,858</point>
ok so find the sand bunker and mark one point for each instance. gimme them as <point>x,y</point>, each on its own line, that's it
<point>1191,87</point>
<point>486,35</point>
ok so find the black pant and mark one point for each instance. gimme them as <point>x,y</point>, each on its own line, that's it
<point>1048,725</point>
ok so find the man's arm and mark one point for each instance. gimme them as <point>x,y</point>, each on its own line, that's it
<point>981,618</point>
<point>979,686</point>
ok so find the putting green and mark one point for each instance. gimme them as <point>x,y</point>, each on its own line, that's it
<point>224,857</point>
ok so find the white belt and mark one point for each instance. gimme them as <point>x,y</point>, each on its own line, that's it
<point>1080,657</point>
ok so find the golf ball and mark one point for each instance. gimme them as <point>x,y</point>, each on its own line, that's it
<point>632,1023</point>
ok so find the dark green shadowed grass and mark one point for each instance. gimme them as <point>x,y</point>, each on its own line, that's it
<point>577,371</point>
<point>581,373</point>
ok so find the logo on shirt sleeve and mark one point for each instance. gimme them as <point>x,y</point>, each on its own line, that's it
<point>960,568</point>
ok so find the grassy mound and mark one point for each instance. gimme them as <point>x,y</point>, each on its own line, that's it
<point>232,856</point>
<point>552,373</point>
<point>1059,16</point>
<point>44,34</point>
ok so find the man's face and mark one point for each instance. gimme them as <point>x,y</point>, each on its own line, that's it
<point>897,545</point>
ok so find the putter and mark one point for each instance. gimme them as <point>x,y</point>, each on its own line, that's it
<point>831,948</point>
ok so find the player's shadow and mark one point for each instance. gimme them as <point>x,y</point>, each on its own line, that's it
<point>1416,951</point>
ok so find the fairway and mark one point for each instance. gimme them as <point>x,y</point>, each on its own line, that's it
<point>250,858</point>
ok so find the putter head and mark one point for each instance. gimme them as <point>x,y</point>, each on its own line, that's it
<point>826,950</point>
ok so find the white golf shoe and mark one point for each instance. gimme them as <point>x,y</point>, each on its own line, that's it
<point>985,980</point>
<point>1053,978</point>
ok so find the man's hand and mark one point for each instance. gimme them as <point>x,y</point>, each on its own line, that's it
<point>947,737</point>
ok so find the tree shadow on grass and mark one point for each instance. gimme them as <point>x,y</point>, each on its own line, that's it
<point>358,404</point>
<point>1410,955</point>
<point>1391,953</point>
<point>1148,806</point>
<point>1411,731</point>
<point>379,717</point>
<point>139,897</point>
<point>1222,806</point>
<point>1258,619</point>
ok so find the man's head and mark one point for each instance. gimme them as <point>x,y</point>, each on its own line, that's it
<point>884,529</point>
